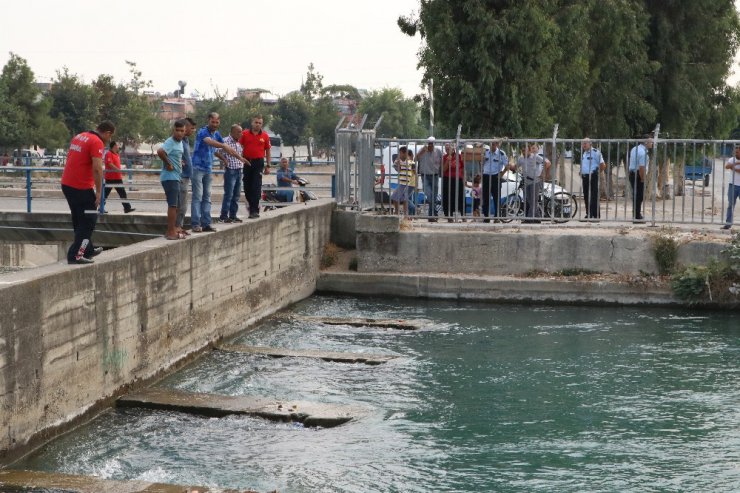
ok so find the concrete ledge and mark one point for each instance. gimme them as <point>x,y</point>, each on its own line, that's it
<point>371,223</point>
<point>33,480</point>
<point>368,359</point>
<point>495,288</point>
<point>385,323</point>
<point>212,405</point>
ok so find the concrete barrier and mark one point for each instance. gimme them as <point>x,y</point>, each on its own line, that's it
<point>72,338</point>
<point>383,246</point>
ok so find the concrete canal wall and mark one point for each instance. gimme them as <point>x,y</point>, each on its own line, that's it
<point>72,337</point>
<point>384,246</point>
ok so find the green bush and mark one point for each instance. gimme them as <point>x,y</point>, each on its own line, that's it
<point>666,253</point>
<point>715,282</point>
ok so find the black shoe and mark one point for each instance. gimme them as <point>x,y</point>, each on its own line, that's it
<point>227,221</point>
<point>486,220</point>
<point>235,220</point>
<point>82,261</point>
<point>432,219</point>
<point>254,215</point>
<point>727,226</point>
<point>96,251</point>
<point>209,229</point>
<point>220,220</point>
<point>130,209</point>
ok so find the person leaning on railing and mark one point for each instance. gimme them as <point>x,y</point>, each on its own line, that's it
<point>533,165</point>
<point>733,190</point>
<point>453,185</point>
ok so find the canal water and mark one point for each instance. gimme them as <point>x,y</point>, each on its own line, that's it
<point>485,398</point>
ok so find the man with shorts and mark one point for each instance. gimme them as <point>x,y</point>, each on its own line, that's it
<point>187,166</point>
<point>82,185</point>
<point>171,155</point>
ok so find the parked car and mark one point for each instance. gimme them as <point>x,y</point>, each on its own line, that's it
<point>27,157</point>
<point>54,157</point>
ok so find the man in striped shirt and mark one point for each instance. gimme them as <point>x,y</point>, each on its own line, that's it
<point>232,176</point>
<point>406,169</point>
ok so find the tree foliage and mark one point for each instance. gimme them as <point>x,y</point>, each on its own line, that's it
<point>74,102</point>
<point>22,107</point>
<point>611,68</point>
<point>400,115</point>
<point>291,118</point>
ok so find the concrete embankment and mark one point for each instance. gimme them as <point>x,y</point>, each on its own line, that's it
<point>74,337</point>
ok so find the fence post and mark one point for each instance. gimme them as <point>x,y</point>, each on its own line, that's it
<point>28,189</point>
<point>654,172</point>
<point>554,168</point>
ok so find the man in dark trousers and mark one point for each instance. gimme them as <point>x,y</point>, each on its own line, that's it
<point>256,144</point>
<point>82,184</point>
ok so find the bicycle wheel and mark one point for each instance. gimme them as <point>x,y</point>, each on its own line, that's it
<point>512,208</point>
<point>563,206</point>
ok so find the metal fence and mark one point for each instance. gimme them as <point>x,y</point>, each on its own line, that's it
<point>36,182</point>
<point>685,181</point>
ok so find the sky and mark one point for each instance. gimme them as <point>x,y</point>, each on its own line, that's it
<point>217,45</point>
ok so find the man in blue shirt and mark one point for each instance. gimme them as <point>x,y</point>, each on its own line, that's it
<point>591,163</point>
<point>187,167</point>
<point>495,161</point>
<point>285,178</point>
<point>171,155</point>
<point>207,140</point>
<point>638,164</point>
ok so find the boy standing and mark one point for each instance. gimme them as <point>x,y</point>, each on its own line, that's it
<point>171,155</point>
<point>406,169</point>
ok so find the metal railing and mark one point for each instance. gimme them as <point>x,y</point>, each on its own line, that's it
<point>40,180</point>
<point>685,182</point>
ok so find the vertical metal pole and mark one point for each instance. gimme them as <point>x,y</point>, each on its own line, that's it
<point>553,170</point>
<point>431,107</point>
<point>28,189</point>
<point>459,158</point>
<point>655,169</point>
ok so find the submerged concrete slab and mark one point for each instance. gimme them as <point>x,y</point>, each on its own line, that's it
<point>388,323</point>
<point>34,480</point>
<point>308,413</point>
<point>368,359</point>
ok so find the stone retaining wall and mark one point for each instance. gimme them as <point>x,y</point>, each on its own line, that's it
<point>73,336</point>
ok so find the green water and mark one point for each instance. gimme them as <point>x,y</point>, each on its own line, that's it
<point>485,398</point>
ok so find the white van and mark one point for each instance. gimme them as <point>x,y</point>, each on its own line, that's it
<point>276,148</point>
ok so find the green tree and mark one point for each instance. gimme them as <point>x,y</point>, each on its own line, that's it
<point>694,44</point>
<point>74,102</point>
<point>22,106</point>
<point>400,115</point>
<point>610,68</point>
<point>313,86</point>
<point>323,121</point>
<point>291,119</point>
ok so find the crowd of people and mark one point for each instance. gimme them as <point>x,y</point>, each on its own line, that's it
<point>451,171</point>
<point>246,154</point>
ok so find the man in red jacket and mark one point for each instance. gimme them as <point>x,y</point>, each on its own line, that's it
<point>82,184</point>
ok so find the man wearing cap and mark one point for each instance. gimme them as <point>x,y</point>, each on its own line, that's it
<point>495,162</point>
<point>429,159</point>
<point>591,163</point>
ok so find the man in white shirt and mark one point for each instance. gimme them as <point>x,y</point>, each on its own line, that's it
<point>733,190</point>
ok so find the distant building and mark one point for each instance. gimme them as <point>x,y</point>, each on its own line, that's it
<point>175,108</point>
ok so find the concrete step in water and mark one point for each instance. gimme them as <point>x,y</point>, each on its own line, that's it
<point>368,359</point>
<point>388,323</point>
<point>308,413</point>
<point>34,480</point>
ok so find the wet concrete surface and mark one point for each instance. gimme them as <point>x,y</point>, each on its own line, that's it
<point>368,359</point>
<point>307,413</point>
